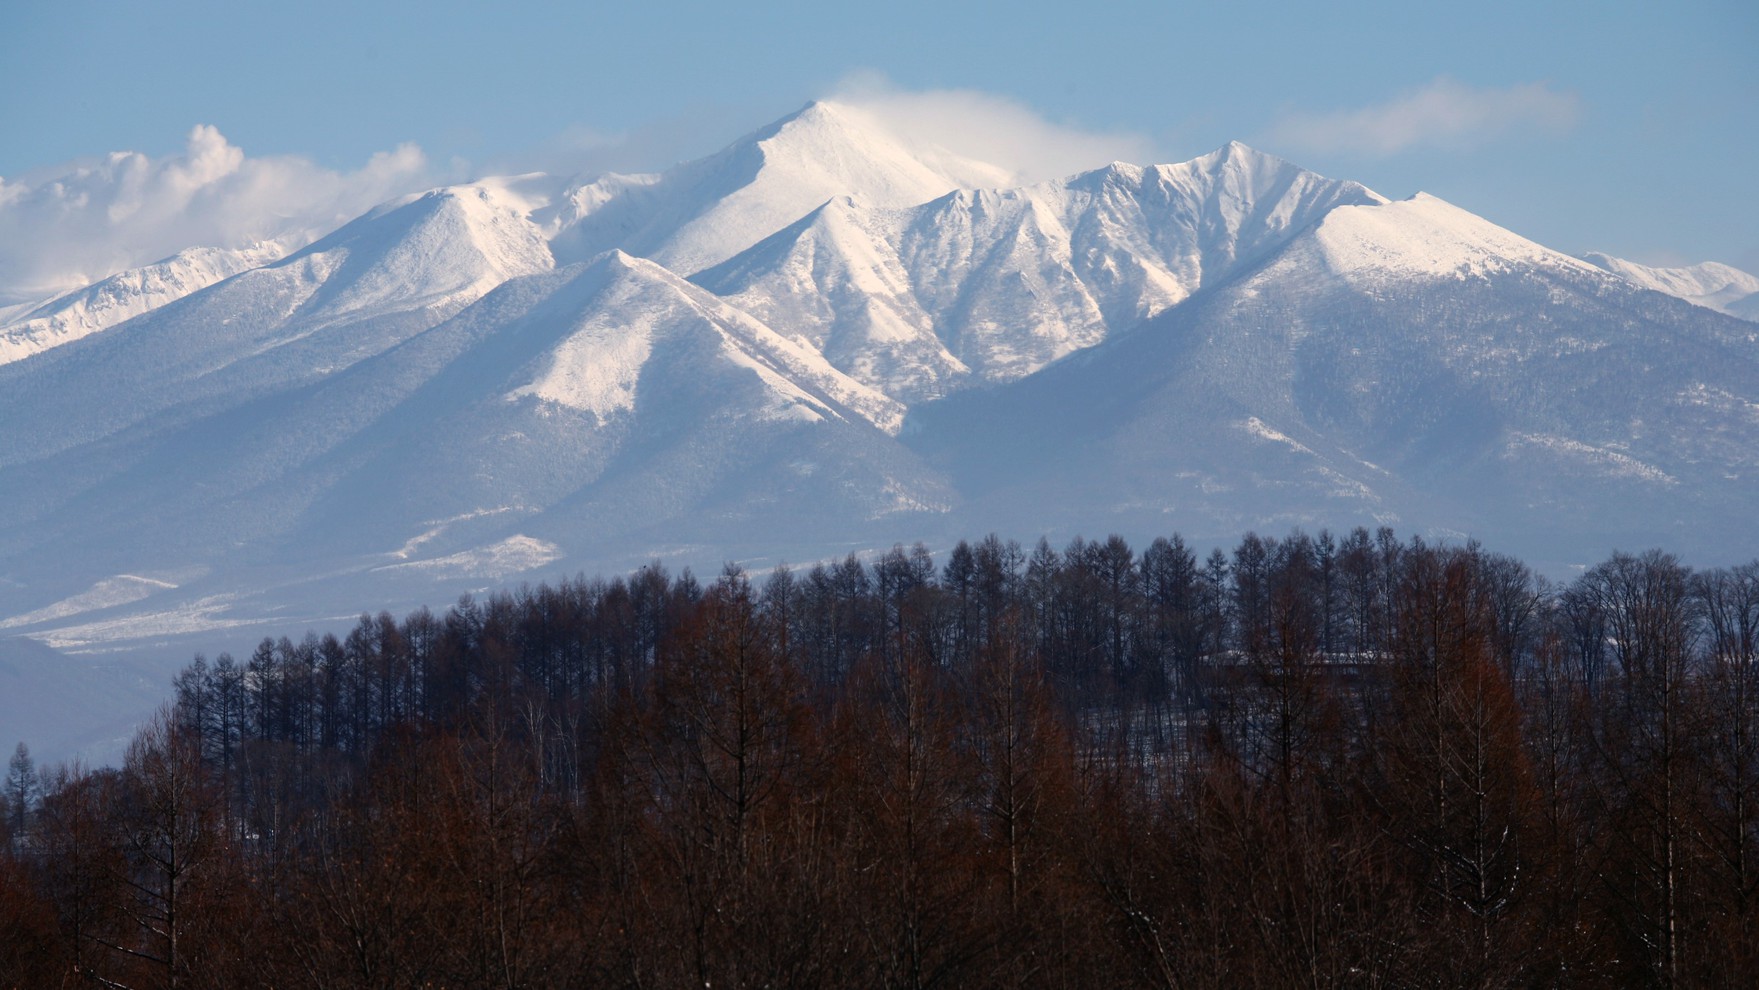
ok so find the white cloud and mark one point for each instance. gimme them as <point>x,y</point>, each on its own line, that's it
<point>68,225</point>
<point>982,126</point>
<point>991,129</point>
<point>1445,114</point>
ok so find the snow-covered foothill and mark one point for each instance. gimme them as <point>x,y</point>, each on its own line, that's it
<point>125,295</point>
<point>1721,287</point>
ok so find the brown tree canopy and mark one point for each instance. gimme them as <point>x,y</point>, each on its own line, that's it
<point>1310,761</point>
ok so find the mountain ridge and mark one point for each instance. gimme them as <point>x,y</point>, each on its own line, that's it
<point>826,338</point>
<point>1711,284</point>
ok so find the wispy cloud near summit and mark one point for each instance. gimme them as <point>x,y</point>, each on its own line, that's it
<point>1445,113</point>
<point>991,128</point>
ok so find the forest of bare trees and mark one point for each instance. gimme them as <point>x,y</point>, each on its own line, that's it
<point>1315,761</point>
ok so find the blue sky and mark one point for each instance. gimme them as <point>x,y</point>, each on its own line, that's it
<point>1630,127</point>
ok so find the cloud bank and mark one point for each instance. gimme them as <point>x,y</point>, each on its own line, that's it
<point>1444,114</point>
<point>991,129</point>
<point>68,225</point>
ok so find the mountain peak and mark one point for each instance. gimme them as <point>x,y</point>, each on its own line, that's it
<point>703,212</point>
<point>823,113</point>
<point>817,117</point>
<point>446,247</point>
<point>848,141</point>
<point>1255,173</point>
<point>1237,154</point>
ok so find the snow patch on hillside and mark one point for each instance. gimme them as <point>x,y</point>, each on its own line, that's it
<point>513,555</point>
<point>1344,486</point>
<point>206,614</point>
<point>1723,402</point>
<point>438,527</point>
<point>123,589</point>
<point>1603,460</point>
<point>595,370</point>
<point>1256,428</point>
<point>897,499</point>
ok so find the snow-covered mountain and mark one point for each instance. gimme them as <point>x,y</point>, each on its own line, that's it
<point>378,280</point>
<point>1713,284</point>
<point>992,285</point>
<point>826,338</point>
<point>123,296</point>
<point>704,212</point>
<point>1406,363</point>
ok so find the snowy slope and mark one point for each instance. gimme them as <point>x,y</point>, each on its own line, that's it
<point>598,367</point>
<point>440,251</point>
<point>836,280</point>
<point>364,288</point>
<point>1406,363</point>
<point>704,212</point>
<point>990,286</point>
<point>653,411</point>
<point>1419,238</point>
<point>125,295</point>
<point>1718,286</point>
<point>609,407</point>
